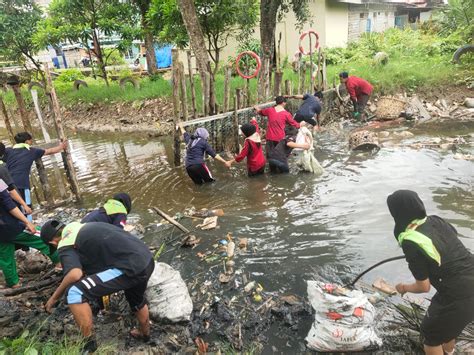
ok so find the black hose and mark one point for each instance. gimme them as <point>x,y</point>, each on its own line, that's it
<point>373,267</point>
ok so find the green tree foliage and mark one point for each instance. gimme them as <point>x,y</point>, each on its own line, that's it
<point>219,20</point>
<point>87,22</point>
<point>457,19</point>
<point>18,20</point>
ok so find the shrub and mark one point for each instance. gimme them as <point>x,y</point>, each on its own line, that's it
<point>70,75</point>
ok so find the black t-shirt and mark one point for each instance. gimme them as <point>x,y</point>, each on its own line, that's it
<point>455,277</point>
<point>101,246</point>
<point>10,227</point>
<point>310,106</point>
<point>281,151</point>
<point>100,215</point>
<point>19,161</point>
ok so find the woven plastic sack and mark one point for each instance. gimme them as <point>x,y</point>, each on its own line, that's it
<point>167,295</point>
<point>344,319</point>
<point>305,158</point>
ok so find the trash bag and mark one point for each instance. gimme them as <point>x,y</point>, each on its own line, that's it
<point>305,158</point>
<point>167,295</point>
<point>344,319</point>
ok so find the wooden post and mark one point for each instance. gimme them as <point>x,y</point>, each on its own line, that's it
<point>303,80</point>
<point>236,125</point>
<point>6,119</point>
<point>311,63</point>
<point>248,92</point>
<point>277,86</point>
<point>66,155</point>
<point>191,85</point>
<point>228,73</point>
<point>182,92</point>
<point>325,83</point>
<point>176,136</point>
<point>238,93</point>
<point>175,78</point>
<point>207,92</point>
<point>22,108</point>
<point>318,76</point>
<point>47,139</point>
<point>27,126</point>
<point>287,87</point>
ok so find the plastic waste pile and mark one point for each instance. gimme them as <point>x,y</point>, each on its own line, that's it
<point>168,295</point>
<point>344,319</point>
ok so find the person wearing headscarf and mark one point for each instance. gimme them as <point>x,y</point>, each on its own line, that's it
<point>436,257</point>
<point>196,146</point>
<point>114,211</point>
<point>252,150</point>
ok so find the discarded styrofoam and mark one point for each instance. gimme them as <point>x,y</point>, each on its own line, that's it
<point>344,320</point>
<point>167,295</point>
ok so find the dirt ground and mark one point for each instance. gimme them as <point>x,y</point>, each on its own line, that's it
<point>155,116</point>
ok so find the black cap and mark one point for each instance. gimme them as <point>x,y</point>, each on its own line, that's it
<point>50,229</point>
<point>248,129</point>
<point>125,199</point>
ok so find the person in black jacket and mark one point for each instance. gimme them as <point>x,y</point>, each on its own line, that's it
<point>99,259</point>
<point>114,211</point>
<point>16,229</point>
<point>436,257</point>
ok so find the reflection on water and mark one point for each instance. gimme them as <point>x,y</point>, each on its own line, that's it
<point>296,223</point>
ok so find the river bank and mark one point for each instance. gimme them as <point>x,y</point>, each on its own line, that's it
<point>154,117</point>
<point>298,227</point>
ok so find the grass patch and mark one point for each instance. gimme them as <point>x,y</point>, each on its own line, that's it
<point>416,60</point>
<point>30,344</point>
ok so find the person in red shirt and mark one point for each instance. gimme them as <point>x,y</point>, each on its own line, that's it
<point>278,117</point>
<point>359,90</point>
<point>252,150</point>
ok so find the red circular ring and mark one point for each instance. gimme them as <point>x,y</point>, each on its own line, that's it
<point>254,56</point>
<point>303,35</point>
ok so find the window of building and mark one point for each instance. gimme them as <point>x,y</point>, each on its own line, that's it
<point>375,14</point>
<point>361,15</point>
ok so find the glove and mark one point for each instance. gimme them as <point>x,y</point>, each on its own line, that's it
<point>356,114</point>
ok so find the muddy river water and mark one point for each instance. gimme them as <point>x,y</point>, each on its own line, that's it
<point>297,224</point>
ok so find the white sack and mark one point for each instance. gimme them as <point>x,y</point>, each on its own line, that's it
<point>167,295</point>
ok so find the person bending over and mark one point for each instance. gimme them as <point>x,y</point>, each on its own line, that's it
<point>436,257</point>
<point>196,146</point>
<point>359,91</point>
<point>114,211</point>
<point>310,109</point>
<point>99,259</point>
<point>278,156</point>
<point>15,229</point>
<point>252,150</point>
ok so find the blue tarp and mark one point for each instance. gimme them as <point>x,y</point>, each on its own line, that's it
<point>163,56</point>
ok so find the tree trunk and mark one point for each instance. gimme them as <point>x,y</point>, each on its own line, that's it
<point>149,45</point>
<point>268,17</point>
<point>99,56</point>
<point>196,37</point>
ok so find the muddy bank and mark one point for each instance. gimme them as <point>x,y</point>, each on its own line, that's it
<point>154,116</point>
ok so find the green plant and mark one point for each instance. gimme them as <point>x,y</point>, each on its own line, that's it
<point>70,75</point>
<point>113,56</point>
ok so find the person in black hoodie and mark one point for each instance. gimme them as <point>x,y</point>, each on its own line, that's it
<point>114,211</point>
<point>436,257</point>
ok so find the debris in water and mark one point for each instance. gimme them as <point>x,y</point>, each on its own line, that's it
<point>382,285</point>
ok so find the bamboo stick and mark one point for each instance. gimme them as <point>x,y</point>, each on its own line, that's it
<point>171,220</point>
<point>236,126</point>
<point>47,139</point>
<point>66,154</point>
<point>6,119</point>
<point>238,92</point>
<point>182,92</point>
<point>228,72</point>
<point>191,85</point>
